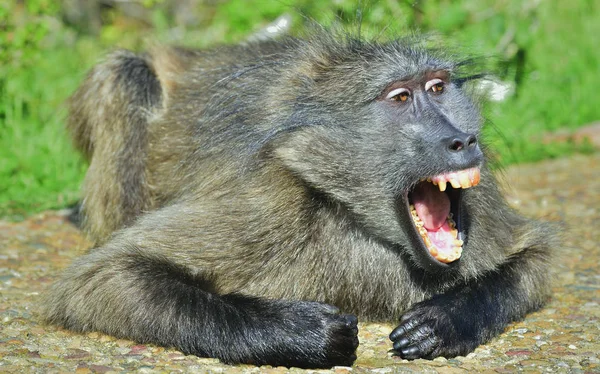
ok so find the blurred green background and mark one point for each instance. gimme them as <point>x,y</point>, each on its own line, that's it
<point>547,49</point>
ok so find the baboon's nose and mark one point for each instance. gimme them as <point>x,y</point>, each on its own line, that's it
<point>462,142</point>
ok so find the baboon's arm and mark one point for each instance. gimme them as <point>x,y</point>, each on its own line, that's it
<point>456,322</point>
<point>129,290</point>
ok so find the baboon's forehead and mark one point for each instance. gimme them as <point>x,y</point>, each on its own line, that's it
<point>395,60</point>
<point>411,60</point>
<point>379,67</point>
<point>365,67</point>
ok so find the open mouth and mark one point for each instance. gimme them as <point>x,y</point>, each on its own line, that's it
<point>434,205</point>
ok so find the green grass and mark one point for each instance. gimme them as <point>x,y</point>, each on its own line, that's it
<point>549,47</point>
<point>559,87</point>
<point>37,161</point>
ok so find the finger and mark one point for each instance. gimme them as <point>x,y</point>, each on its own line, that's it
<point>410,353</point>
<point>420,350</point>
<point>415,337</point>
<point>401,343</point>
<point>404,328</point>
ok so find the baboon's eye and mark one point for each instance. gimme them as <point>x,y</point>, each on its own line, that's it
<point>399,94</point>
<point>435,85</point>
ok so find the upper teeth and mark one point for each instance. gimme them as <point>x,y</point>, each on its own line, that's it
<point>458,179</point>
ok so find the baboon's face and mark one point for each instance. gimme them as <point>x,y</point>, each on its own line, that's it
<point>399,160</point>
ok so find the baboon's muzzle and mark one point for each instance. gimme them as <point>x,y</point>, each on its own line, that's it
<point>434,203</point>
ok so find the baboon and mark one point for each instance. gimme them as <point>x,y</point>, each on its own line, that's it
<point>251,202</point>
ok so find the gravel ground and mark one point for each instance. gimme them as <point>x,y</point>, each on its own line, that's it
<point>562,337</point>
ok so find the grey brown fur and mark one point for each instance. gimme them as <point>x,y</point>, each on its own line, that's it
<point>235,194</point>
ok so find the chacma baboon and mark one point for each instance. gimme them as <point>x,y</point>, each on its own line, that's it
<point>250,202</point>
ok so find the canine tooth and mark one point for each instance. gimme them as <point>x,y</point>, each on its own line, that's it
<point>474,176</point>
<point>454,232</point>
<point>465,182</point>
<point>442,186</point>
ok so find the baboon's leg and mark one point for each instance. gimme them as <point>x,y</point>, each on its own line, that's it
<point>129,288</point>
<point>108,120</point>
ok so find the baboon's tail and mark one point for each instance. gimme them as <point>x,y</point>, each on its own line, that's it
<point>108,120</point>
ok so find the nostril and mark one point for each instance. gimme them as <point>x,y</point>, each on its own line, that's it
<point>456,145</point>
<point>471,141</point>
<point>460,143</point>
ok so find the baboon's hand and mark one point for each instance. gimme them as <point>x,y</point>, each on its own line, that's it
<point>308,335</point>
<point>429,330</point>
<point>343,340</point>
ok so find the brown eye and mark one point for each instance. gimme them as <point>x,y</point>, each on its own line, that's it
<point>435,86</point>
<point>399,94</point>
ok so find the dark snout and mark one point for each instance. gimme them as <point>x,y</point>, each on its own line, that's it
<point>461,142</point>
<point>454,147</point>
<point>462,149</point>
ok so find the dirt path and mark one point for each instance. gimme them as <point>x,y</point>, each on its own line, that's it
<point>563,337</point>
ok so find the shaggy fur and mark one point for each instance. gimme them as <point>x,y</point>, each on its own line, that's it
<point>236,195</point>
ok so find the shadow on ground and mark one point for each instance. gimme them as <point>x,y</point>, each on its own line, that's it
<point>562,337</point>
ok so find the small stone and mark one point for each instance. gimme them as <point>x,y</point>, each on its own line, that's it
<point>519,352</point>
<point>75,342</point>
<point>342,369</point>
<point>124,343</point>
<point>137,349</point>
<point>368,353</point>
<point>101,369</point>
<point>106,338</point>
<point>76,354</point>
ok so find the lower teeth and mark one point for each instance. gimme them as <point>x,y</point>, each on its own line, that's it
<point>433,250</point>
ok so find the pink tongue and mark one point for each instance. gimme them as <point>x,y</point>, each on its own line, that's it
<point>431,204</point>
<point>442,239</point>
